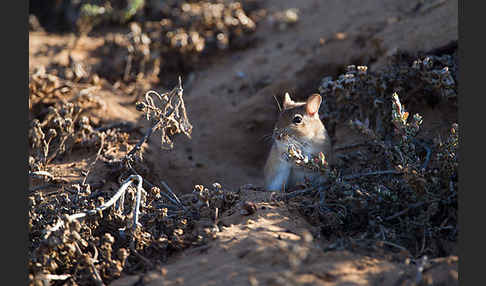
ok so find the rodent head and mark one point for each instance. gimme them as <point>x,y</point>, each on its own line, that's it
<point>298,123</point>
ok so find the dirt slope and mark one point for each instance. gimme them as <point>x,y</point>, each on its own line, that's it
<point>231,103</point>
<point>275,246</point>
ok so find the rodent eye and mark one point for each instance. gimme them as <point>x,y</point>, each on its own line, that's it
<point>297,119</point>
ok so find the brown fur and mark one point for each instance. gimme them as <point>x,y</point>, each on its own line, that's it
<point>310,136</point>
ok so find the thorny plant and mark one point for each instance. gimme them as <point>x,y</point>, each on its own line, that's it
<point>400,190</point>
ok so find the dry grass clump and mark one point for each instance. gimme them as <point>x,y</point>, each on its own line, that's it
<point>398,188</point>
<point>59,124</point>
<point>133,231</point>
<point>175,36</point>
<point>81,234</point>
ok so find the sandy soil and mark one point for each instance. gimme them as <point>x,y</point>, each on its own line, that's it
<point>231,106</point>
<point>275,246</point>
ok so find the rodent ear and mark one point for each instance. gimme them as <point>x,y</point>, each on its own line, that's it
<point>313,103</point>
<point>288,102</point>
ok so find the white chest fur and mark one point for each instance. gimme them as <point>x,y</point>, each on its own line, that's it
<point>279,180</point>
<point>277,169</point>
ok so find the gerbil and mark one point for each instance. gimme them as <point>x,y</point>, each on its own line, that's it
<point>299,124</point>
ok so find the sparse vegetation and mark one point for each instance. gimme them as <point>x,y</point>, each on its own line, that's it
<point>100,210</point>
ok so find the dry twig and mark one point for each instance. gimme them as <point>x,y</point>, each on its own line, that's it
<point>171,117</point>
<point>106,205</point>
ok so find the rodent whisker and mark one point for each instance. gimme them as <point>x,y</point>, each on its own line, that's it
<point>267,138</point>
<point>283,135</point>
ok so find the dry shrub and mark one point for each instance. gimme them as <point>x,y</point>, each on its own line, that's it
<point>176,38</point>
<point>399,188</point>
<point>58,123</point>
<point>81,235</point>
<point>108,242</point>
